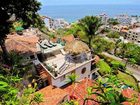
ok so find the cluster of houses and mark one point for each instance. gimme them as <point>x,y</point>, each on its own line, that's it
<point>54,61</point>
<point>54,24</point>
<point>128,25</point>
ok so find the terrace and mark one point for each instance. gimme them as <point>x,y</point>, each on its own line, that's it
<point>62,60</point>
<point>58,64</point>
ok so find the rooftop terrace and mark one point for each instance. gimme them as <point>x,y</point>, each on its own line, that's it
<point>59,64</point>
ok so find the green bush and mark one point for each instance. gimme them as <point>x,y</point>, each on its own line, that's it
<point>113,34</point>
<point>104,68</point>
<point>117,65</point>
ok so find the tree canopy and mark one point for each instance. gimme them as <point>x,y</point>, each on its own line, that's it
<point>90,25</point>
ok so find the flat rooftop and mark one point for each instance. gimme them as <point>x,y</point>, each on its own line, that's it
<point>136,30</point>
<point>60,64</point>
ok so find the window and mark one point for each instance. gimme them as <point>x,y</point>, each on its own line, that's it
<point>32,57</point>
<point>83,70</point>
<point>62,78</point>
<point>94,76</point>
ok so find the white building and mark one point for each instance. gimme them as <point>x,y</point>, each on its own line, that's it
<point>58,23</point>
<point>124,19</point>
<point>58,62</point>
<point>104,18</point>
<point>135,19</point>
<point>134,35</point>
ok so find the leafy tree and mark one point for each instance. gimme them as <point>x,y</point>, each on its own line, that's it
<point>25,10</point>
<point>117,65</point>
<point>112,21</point>
<point>116,46</point>
<point>76,30</point>
<point>90,25</point>
<point>107,90</point>
<point>130,51</point>
<point>100,44</point>
<point>12,92</point>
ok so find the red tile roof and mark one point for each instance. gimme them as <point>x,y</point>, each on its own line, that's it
<point>52,95</point>
<point>129,93</point>
<point>78,92</point>
<point>22,43</point>
<point>68,38</point>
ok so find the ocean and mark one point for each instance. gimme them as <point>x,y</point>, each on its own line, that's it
<point>73,12</point>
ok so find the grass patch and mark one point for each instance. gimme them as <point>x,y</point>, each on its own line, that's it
<point>127,79</point>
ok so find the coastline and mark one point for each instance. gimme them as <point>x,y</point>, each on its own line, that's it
<point>71,12</point>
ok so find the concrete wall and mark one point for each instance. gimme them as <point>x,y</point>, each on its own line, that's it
<point>81,76</point>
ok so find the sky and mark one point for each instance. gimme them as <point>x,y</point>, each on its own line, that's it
<point>78,2</point>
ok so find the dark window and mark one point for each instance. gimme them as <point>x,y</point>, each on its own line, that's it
<point>94,76</point>
<point>32,57</point>
<point>83,70</point>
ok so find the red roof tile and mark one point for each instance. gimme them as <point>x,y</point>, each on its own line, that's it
<point>68,38</point>
<point>129,93</point>
<point>78,92</point>
<point>52,95</point>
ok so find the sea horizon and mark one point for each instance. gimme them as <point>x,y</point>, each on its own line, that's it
<point>72,13</point>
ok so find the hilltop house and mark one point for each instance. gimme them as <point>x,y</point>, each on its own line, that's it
<point>57,61</point>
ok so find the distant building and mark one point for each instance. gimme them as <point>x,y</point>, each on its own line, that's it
<point>55,23</point>
<point>133,35</point>
<point>124,19</point>
<point>104,18</point>
<point>135,19</point>
<point>120,28</point>
<point>59,23</point>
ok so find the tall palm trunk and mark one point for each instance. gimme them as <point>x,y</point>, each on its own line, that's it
<point>89,43</point>
<point>5,54</point>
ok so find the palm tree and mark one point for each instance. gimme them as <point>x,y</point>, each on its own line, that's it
<point>90,25</point>
<point>116,46</point>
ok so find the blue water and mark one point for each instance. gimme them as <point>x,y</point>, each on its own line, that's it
<point>73,12</point>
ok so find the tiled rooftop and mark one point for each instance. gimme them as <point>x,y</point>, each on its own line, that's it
<point>52,95</point>
<point>23,43</point>
<point>129,93</point>
<point>79,92</point>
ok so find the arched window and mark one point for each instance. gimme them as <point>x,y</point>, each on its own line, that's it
<point>83,70</point>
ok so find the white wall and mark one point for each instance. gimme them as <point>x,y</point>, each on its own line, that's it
<point>81,76</point>
<point>58,82</point>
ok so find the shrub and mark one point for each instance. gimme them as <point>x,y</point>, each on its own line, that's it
<point>117,65</point>
<point>113,34</point>
<point>104,68</point>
